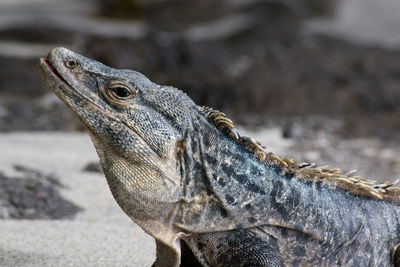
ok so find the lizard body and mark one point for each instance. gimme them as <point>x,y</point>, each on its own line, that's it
<point>184,173</point>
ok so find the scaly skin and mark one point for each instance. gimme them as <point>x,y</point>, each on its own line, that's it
<point>182,172</point>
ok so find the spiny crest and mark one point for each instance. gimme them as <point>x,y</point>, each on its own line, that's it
<point>306,171</point>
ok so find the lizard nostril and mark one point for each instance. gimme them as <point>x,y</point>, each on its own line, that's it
<point>71,63</point>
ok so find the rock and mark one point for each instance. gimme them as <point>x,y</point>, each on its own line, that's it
<point>93,167</point>
<point>33,196</point>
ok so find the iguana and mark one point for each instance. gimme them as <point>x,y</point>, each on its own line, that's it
<point>187,176</point>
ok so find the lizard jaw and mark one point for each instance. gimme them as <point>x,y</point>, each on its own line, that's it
<point>46,66</point>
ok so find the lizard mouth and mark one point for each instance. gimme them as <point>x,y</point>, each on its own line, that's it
<point>45,62</point>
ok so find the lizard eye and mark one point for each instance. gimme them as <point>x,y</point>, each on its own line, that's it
<point>120,92</point>
<point>71,63</point>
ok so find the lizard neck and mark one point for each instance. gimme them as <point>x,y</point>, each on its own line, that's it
<point>139,190</point>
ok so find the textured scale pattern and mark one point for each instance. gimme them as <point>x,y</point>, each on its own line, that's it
<point>209,194</point>
<point>355,184</point>
<point>229,248</point>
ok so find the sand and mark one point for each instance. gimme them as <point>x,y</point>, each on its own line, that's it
<point>100,235</point>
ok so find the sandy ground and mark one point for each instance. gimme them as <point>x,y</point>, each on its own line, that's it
<point>100,235</point>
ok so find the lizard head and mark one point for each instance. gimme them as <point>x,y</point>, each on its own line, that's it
<point>136,125</point>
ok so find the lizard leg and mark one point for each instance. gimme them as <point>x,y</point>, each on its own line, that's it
<point>396,256</point>
<point>188,259</point>
<point>165,256</point>
<point>239,248</point>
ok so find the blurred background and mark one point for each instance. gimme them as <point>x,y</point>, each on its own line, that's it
<point>324,73</point>
<point>261,61</point>
<point>316,80</point>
